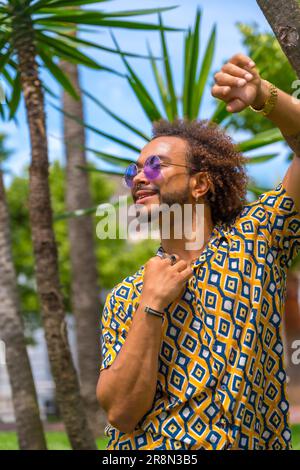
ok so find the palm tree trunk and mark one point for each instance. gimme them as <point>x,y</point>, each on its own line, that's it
<point>84,279</point>
<point>29,426</point>
<point>284,18</point>
<point>45,250</point>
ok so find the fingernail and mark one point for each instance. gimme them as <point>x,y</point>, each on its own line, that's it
<point>241,82</point>
<point>251,63</point>
<point>248,76</point>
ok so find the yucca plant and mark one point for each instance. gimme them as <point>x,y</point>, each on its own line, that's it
<point>32,33</point>
<point>173,103</point>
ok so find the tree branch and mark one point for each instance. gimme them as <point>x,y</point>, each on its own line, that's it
<point>284,18</point>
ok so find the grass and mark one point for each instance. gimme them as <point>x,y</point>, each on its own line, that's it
<point>296,436</point>
<point>55,441</point>
<point>59,440</point>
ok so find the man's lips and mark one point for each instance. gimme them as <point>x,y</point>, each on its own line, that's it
<point>143,194</point>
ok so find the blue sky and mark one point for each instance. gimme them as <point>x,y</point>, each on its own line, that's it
<point>116,94</point>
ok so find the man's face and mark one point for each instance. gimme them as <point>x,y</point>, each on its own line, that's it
<point>172,186</point>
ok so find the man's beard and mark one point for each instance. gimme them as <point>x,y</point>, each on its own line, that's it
<point>175,197</point>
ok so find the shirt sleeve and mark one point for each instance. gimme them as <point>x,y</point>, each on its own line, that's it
<point>113,330</point>
<point>283,223</point>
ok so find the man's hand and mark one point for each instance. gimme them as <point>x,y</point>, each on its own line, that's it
<point>163,283</point>
<point>239,84</point>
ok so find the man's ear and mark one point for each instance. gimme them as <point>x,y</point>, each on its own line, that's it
<point>200,184</point>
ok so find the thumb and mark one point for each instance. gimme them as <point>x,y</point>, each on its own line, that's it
<point>235,106</point>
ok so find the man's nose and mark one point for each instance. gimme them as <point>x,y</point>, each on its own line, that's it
<point>140,177</point>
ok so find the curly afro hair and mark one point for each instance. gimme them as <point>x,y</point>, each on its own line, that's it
<point>211,150</point>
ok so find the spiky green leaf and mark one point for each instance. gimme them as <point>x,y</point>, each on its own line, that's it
<point>115,116</point>
<point>191,77</point>
<point>14,101</point>
<point>203,74</point>
<point>58,74</point>
<point>260,158</point>
<point>110,158</point>
<point>260,140</point>
<point>163,92</point>
<point>172,99</point>
<point>97,131</point>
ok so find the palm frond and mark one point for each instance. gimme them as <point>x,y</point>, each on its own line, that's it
<point>97,131</point>
<point>172,99</point>
<point>260,140</point>
<point>115,116</point>
<point>110,158</point>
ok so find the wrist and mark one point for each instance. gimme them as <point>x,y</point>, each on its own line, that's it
<point>153,302</point>
<point>262,95</point>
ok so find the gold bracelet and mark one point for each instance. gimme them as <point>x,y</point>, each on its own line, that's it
<point>270,102</point>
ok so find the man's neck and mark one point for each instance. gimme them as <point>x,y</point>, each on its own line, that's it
<point>181,246</point>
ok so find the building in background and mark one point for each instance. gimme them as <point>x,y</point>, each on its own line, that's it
<point>38,357</point>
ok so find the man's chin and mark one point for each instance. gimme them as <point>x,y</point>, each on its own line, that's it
<point>147,211</point>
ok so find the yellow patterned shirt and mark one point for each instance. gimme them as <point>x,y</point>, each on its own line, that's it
<point>221,381</point>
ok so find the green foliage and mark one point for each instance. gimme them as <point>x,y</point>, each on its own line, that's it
<point>56,440</point>
<point>4,152</point>
<point>273,65</point>
<point>17,197</point>
<point>195,74</point>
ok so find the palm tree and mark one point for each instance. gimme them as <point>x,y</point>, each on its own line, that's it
<point>29,426</point>
<point>84,279</point>
<point>30,33</point>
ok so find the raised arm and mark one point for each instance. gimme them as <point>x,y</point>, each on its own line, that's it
<point>239,84</point>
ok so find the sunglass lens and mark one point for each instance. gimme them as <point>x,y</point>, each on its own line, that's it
<point>152,167</point>
<point>130,173</point>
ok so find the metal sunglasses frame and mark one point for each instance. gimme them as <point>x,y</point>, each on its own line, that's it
<point>160,163</point>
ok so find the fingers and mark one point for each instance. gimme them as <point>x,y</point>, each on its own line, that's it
<point>242,60</point>
<point>235,106</point>
<point>177,265</point>
<point>225,79</point>
<point>236,71</point>
<point>180,266</point>
<point>171,259</point>
<point>186,274</point>
<point>166,261</point>
<point>221,92</point>
<point>247,73</point>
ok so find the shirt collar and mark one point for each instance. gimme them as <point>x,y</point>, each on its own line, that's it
<point>220,237</point>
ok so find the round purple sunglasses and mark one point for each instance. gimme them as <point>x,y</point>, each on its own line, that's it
<point>152,169</point>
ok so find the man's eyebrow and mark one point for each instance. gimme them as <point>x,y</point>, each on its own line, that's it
<point>165,158</point>
<point>162,157</point>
